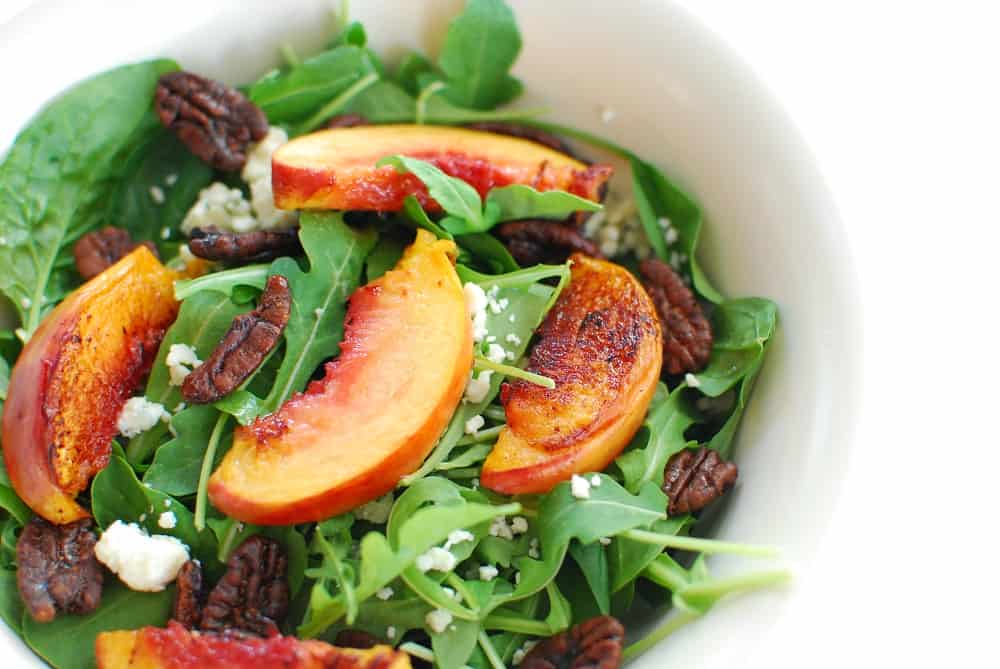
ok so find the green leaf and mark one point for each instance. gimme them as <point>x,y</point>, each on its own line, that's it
<point>593,564</point>
<point>12,504</point>
<point>202,321</point>
<point>385,255</point>
<point>383,102</point>
<point>416,214</point>
<point>454,646</point>
<point>413,65</point>
<point>627,558</point>
<point>486,250</point>
<point>315,327</point>
<point>481,46</point>
<point>4,381</point>
<point>662,436</point>
<point>163,163</point>
<point>57,177</point>
<point>226,282</point>
<point>518,201</point>
<point>353,34</point>
<point>741,328</point>
<point>177,464</point>
<point>242,405</point>
<point>68,641</point>
<point>293,95</point>
<point>723,439</point>
<point>116,494</point>
<point>610,509</point>
<point>455,196</point>
<point>11,606</point>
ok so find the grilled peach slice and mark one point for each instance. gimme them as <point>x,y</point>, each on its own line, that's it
<point>174,647</point>
<point>378,412</point>
<point>74,376</point>
<point>601,343</point>
<point>335,169</point>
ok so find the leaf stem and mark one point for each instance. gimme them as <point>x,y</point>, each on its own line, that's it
<point>664,576</point>
<point>695,544</point>
<point>673,624</point>
<point>490,652</point>
<point>494,412</point>
<point>515,372</point>
<point>507,623</point>
<point>288,54</point>
<point>336,104</point>
<point>201,500</point>
<point>744,582</point>
<point>425,95</point>
<point>480,436</point>
<point>223,282</point>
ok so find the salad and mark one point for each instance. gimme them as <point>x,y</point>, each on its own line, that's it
<point>357,364</point>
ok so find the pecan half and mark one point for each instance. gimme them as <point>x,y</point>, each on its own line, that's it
<point>346,121</point>
<point>190,595</point>
<point>687,334</point>
<point>523,132</point>
<point>252,596</point>
<point>250,339</point>
<point>98,250</point>
<point>593,644</point>
<point>216,122</point>
<point>538,241</point>
<point>56,569</point>
<point>694,479</point>
<point>351,638</point>
<point>244,247</point>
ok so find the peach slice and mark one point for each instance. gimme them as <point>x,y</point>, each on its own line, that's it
<point>174,647</point>
<point>335,169</point>
<point>74,376</point>
<point>601,343</point>
<point>384,402</point>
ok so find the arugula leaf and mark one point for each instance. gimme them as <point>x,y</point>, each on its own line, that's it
<point>741,328</point>
<point>486,250</point>
<point>386,102</point>
<point>518,201</point>
<point>116,494</point>
<point>291,96</point>
<point>481,46</point>
<point>227,282</point>
<point>12,504</point>
<point>413,65</point>
<point>662,435</point>
<point>593,563</point>
<point>163,163</point>
<point>454,646</point>
<point>723,439</point>
<point>627,558</point>
<point>455,196</point>
<point>68,641</point>
<point>58,175</point>
<point>336,254</point>
<point>4,381</point>
<point>202,321</point>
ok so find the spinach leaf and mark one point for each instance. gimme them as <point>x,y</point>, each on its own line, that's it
<point>202,321</point>
<point>353,34</point>
<point>518,201</point>
<point>662,435</point>
<point>58,176</point>
<point>386,102</point>
<point>413,65</point>
<point>723,439</point>
<point>291,96</point>
<point>486,250</point>
<point>164,165</point>
<point>11,606</point>
<point>336,254</point>
<point>68,641</point>
<point>481,46</point>
<point>176,465</point>
<point>116,494</point>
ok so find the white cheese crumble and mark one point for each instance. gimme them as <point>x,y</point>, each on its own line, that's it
<point>164,233</point>
<point>692,380</point>
<point>595,481</point>
<point>512,318</point>
<point>26,302</point>
<point>167,520</point>
<point>139,415</point>
<point>438,620</point>
<point>451,593</point>
<point>617,228</point>
<point>156,193</point>
<point>478,387</point>
<point>222,207</point>
<point>385,594</point>
<point>533,549</point>
<point>170,180</point>
<point>522,652</point>
<point>436,559</point>
<point>474,424</point>
<point>579,487</point>
<point>257,174</point>
<point>143,562</point>
<point>475,307</point>
<point>513,339</point>
<point>488,573</point>
<point>500,528</point>
<point>181,359</point>
<point>519,525</point>
<point>376,511</point>
<point>390,632</point>
<point>496,353</point>
<point>605,541</point>
<point>458,536</point>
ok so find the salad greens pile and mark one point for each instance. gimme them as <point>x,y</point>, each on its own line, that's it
<point>89,159</point>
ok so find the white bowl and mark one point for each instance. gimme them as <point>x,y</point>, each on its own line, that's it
<point>680,98</point>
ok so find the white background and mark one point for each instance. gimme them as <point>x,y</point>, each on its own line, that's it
<point>899,102</point>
